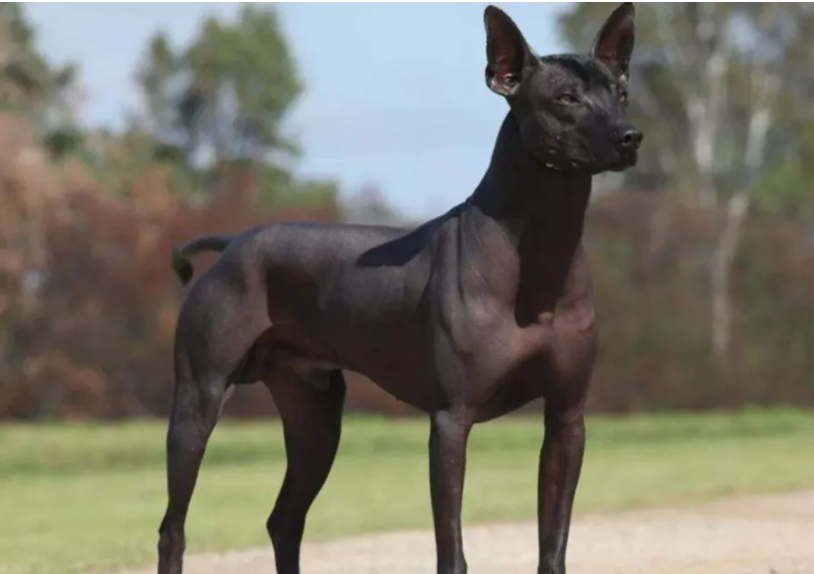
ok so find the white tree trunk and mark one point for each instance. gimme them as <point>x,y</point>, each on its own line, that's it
<point>737,209</point>
<point>764,92</point>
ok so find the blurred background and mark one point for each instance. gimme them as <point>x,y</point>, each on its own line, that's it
<point>123,134</point>
<point>128,128</point>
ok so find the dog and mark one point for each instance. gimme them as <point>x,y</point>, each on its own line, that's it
<point>467,317</point>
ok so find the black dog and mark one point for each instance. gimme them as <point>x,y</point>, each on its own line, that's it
<point>467,317</point>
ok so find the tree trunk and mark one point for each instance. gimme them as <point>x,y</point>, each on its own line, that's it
<point>737,209</point>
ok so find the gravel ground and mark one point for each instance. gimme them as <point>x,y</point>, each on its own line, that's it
<point>768,535</point>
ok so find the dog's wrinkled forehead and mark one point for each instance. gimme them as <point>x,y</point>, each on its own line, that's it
<point>564,70</point>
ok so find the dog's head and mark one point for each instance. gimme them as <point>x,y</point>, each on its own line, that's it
<point>571,108</point>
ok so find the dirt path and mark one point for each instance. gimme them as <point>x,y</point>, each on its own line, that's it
<point>769,535</point>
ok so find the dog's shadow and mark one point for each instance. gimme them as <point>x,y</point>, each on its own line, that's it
<point>402,249</point>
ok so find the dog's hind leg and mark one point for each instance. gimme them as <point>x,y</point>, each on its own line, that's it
<point>194,414</point>
<point>208,354</point>
<point>312,423</point>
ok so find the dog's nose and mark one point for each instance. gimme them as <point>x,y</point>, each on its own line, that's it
<point>631,138</point>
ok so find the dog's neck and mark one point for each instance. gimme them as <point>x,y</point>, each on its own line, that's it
<point>526,222</point>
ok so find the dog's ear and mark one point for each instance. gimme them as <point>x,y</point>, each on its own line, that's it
<point>508,56</point>
<point>614,43</point>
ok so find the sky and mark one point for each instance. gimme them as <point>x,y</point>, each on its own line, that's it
<point>394,92</point>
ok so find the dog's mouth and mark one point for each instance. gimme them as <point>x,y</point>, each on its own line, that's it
<point>627,160</point>
<point>572,165</point>
<point>566,165</point>
<point>577,166</point>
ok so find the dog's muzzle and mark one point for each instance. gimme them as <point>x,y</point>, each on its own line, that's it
<point>627,144</point>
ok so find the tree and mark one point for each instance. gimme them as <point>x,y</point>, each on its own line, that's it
<point>722,92</point>
<point>38,106</point>
<point>217,105</point>
<point>226,94</point>
<point>49,97</point>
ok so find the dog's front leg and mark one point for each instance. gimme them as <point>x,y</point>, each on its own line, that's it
<point>560,465</point>
<point>448,437</point>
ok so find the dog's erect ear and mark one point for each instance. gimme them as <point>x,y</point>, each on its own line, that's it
<point>508,55</point>
<point>614,43</point>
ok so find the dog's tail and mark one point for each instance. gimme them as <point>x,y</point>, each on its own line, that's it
<point>180,255</point>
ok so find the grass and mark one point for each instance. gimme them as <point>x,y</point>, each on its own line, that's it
<point>82,498</point>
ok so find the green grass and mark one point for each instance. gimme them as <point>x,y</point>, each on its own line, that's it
<point>79,498</point>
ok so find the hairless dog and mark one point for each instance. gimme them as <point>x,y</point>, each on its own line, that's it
<point>467,317</point>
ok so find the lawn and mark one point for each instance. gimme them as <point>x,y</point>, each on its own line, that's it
<point>89,497</point>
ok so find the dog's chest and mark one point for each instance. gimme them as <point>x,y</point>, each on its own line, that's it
<point>555,349</point>
<point>554,356</point>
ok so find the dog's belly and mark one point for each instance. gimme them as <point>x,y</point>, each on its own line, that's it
<point>394,361</point>
<point>403,371</point>
<point>510,398</point>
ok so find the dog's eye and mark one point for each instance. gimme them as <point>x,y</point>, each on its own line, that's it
<point>511,80</point>
<point>567,99</point>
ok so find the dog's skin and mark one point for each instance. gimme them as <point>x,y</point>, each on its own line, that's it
<point>468,317</point>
